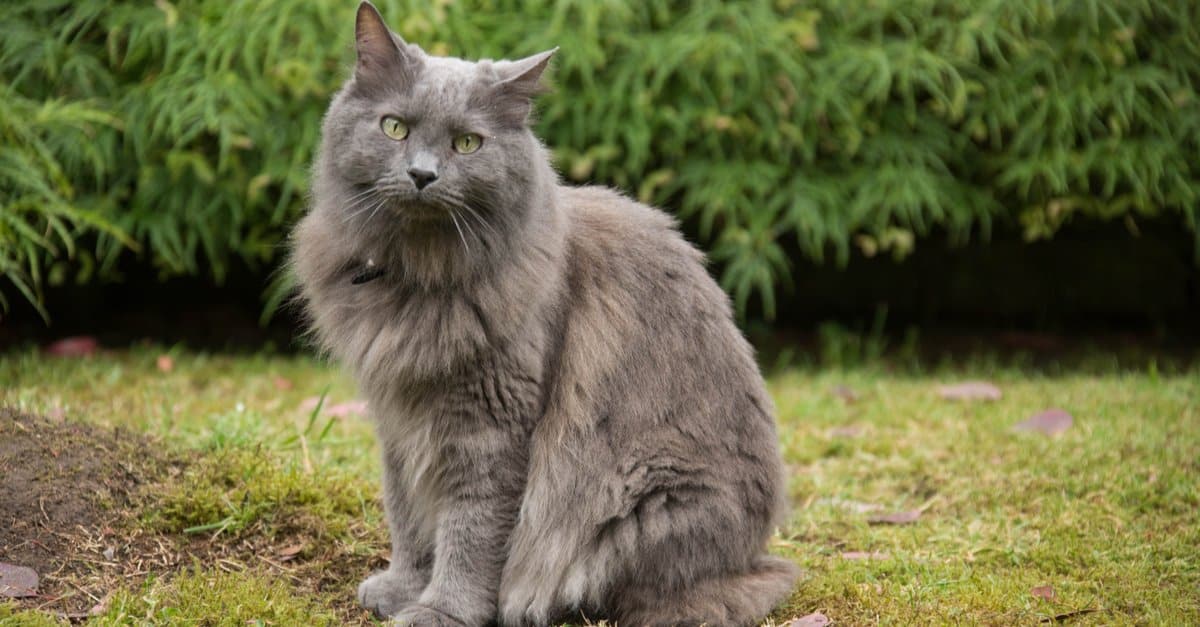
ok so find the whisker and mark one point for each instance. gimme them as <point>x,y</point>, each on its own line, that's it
<point>480,220</point>
<point>369,190</point>
<point>453,216</point>
<point>379,205</point>
<point>467,225</point>
<point>357,208</point>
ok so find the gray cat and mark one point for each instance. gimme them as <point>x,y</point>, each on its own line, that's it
<point>570,421</point>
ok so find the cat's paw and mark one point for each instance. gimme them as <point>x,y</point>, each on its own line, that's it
<point>387,592</point>
<point>422,616</point>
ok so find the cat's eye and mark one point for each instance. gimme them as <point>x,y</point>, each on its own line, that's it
<point>467,143</point>
<point>393,127</point>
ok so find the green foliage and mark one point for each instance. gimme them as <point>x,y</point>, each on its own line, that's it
<point>185,128</point>
<point>240,489</point>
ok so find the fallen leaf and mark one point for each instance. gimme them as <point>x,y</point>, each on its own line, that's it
<point>970,391</point>
<point>165,363</point>
<point>896,518</point>
<point>863,555</point>
<point>846,431</point>
<point>283,384</point>
<point>341,410</point>
<point>1049,422</point>
<point>17,581</point>
<point>1043,592</point>
<point>290,551</point>
<point>77,346</point>
<point>816,619</point>
<point>844,392</point>
<point>110,553</point>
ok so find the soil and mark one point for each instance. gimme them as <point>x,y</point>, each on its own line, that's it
<point>71,502</point>
<point>68,492</point>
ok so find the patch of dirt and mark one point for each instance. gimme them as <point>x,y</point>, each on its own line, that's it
<point>68,492</point>
<point>72,496</point>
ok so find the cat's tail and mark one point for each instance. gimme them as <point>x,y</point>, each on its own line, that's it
<point>739,599</point>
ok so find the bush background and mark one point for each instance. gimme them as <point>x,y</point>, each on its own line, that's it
<point>177,135</point>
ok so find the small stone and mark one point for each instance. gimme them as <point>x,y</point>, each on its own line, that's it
<point>17,581</point>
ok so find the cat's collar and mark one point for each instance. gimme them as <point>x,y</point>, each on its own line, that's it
<point>368,272</point>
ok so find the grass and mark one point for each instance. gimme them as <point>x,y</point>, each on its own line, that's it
<point>1105,514</point>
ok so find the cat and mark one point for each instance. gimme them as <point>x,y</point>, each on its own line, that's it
<point>570,421</point>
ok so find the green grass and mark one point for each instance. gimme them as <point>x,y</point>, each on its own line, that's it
<point>1105,513</point>
<point>214,597</point>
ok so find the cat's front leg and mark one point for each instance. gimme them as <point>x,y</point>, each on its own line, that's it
<point>484,476</point>
<point>388,591</point>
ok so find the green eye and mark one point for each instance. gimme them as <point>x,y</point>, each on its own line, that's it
<point>467,143</point>
<point>394,128</point>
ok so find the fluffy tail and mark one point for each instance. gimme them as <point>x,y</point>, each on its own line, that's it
<point>740,599</point>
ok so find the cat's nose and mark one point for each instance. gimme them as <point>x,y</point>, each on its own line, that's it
<point>421,178</point>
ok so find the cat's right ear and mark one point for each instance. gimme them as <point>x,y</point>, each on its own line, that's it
<point>383,58</point>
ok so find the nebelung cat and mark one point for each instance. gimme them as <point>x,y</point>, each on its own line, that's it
<point>569,419</point>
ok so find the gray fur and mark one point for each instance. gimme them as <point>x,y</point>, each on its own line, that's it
<point>569,419</point>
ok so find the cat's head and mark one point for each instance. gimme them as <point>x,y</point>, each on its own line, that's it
<point>421,145</point>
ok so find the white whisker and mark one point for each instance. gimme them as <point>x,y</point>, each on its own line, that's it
<point>459,229</point>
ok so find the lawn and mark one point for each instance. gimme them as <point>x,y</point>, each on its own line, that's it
<point>245,503</point>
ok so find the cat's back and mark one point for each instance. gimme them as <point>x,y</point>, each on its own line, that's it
<point>644,315</point>
<point>627,249</point>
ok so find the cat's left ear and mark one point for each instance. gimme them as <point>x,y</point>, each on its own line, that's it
<point>520,81</point>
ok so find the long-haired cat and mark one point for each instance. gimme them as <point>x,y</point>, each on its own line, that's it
<point>570,420</point>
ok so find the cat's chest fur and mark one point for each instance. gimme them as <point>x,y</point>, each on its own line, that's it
<point>387,331</point>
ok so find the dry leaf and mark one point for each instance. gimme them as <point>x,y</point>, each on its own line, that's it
<point>846,431</point>
<point>165,363</point>
<point>290,551</point>
<point>1049,422</point>
<point>17,581</point>
<point>896,518</point>
<point>970,391</point>
<point>844,392</point>
<point>816,619</point>
<point>341,410</point>
<point>77,346</point>
<point>1043,592</point>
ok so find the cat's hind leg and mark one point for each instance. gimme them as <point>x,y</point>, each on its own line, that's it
<point>735,599</point>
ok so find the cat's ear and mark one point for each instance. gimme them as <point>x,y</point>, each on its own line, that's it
<point>383,58</point>
<point>519,82</point>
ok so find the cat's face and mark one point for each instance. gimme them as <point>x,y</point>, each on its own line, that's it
<point>416,140</point>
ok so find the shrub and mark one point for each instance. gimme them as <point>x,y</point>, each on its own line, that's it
<point>181,132</point>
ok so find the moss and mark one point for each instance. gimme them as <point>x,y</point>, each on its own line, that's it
<point>203,597</point>
<point>236,490</point>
